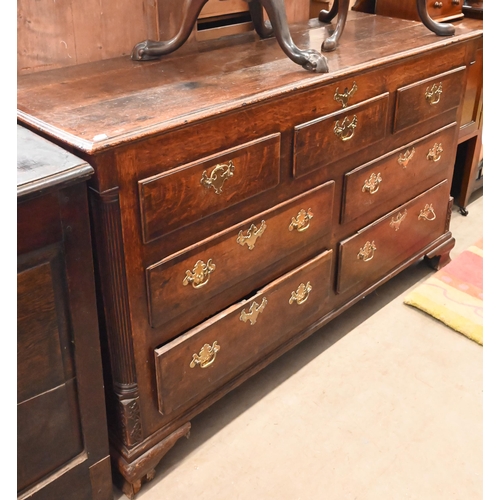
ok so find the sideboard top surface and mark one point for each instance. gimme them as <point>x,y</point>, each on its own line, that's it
<point>100,105</point>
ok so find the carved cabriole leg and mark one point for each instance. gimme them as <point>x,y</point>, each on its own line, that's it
<point>342,8</point>
<point>309,59</point>
<point>142,469</point>
<point>440,256</point>
<point>262,27</point>
<point>149,49</point>
<point>441,29</point>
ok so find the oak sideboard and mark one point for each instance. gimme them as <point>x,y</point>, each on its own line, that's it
<point>239,202</point>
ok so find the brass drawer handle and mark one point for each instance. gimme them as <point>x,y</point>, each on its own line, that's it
<point>433,94</point>
<point>220,174</point>
<point>367,252</point>
<point>302,221</point>
<point>200,274</point>
<point>396,222</point>
<point>427,213</point>
<point>254,312</point>
<point>301,295</point>
<point>404,158</point>
<point>372,184</point>
<point>252,234</point>
<point>343,98</point>
<point>434,153</point>
<point>345,130</point>
<point>206,357</point>
<point>438,5</point>
<point>455,2</point>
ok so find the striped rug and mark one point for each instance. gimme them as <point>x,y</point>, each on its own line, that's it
<point>454,294</point>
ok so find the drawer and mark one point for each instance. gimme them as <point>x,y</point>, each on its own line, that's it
<point>398,175</point>
<point>192,277</point>
<point>200,361</point>
<point>376,249</point>
<point>188,193</point>
<point>428,98</point>
<point>441,10</point>
<point>332,137</point>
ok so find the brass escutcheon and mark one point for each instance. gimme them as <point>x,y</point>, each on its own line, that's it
<point>343,98</point>
<point>200,274</point>
<point>404,158</point>
<point>433,94</point>
<point>220,174</point>
<point>372,184</point>
<point>396,222</point>
<point>367,252</point>
<point>301,295</point>
<point>252,234</point>
<point>301,222</point>
<point>345,130</point>
<point>427,213</point>
<point>434,153</point>
<point>206,356</point>
<point>254,312</point>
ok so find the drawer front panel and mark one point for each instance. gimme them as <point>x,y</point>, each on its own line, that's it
<point>186,194</point>
<point>398,175</point>
<point>444,9</point>
<point>203,359</point>
<point>198,274</point>
<point>381,246</point>
<point>428,98</point>
<point>337,135</point>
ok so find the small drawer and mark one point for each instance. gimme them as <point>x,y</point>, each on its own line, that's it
<point>428,98</point>
<point>441,10</point>
<point>372,252</point>
<point>195,275</point>
<point>200,361</point>
<point>332,137</point>
<point>398,175</point>
<point>186,194</point>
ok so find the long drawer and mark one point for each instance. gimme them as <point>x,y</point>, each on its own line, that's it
<point>195,275</point>
<point>399,175</point>
<point>188,193</point>
<point>194,365</point>
<point>376,249</point>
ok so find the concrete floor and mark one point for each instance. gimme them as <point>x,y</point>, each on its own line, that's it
<point>383,403</point>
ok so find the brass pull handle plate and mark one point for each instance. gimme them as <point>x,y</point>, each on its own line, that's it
<point>343,98</point>
<point>427,213</point>
<point>200,274</point>
<point>206,357</point>
<point>372,184</point>
<point>433,94</point>
<point>252,234</point>
<point>302,221</point>
<point>404,158</point>
<point>219,175</point>
<point>367,252</point>
<point>438,5</point>
<point>301,294</point>
<point>396,222</point>
<point>254,312</point>
<point>345,130</point>
<point>434,153</point>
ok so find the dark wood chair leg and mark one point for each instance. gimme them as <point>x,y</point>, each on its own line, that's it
<point>149,49</point>
<point>261,26</point>
<point>342,8</point>
<point>310,59</point>
<point>441,29</point>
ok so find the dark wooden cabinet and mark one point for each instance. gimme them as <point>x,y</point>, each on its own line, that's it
<point>239,203</point>
<point>62,440</point>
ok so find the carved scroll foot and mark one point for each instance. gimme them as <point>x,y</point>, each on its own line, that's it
<point>143,51</point>
<point>441,29</point>
<point>131,476</point>
<point>342,8</point>
<point>440,256</point>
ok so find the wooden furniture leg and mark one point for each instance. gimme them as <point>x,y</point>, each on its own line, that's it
<point>311,59</point>
<point>441,29</point>
<point>340,7</point>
